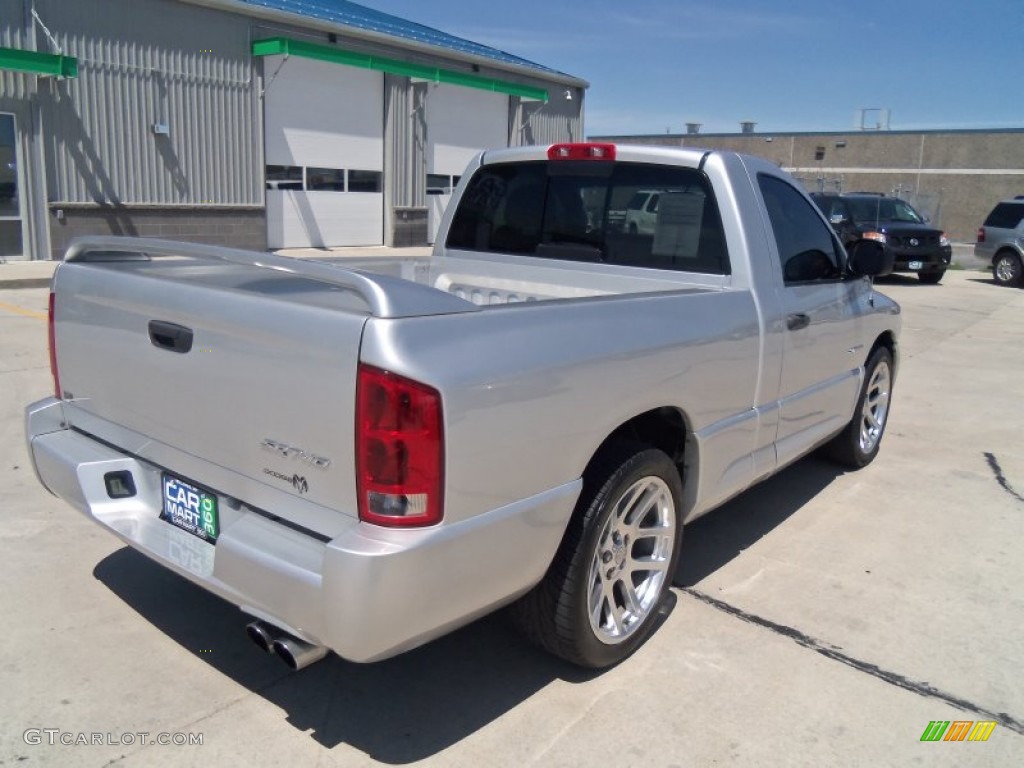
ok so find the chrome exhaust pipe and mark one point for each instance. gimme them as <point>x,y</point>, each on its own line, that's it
<point>298,654</point>
<point>262,635</point>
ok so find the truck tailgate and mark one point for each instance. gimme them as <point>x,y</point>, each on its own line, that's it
<point>235,378</point>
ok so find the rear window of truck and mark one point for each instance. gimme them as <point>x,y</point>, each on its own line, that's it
<point>577,211</point>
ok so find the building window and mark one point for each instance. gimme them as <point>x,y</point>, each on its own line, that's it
<point>438,184</point>
<point>325,179</point>
<point>365,181</point>
<point>284,177</point>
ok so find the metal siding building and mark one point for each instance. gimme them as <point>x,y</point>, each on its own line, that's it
<point>250,122</point>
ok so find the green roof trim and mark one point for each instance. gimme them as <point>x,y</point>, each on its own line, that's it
<point>38,63</point>
<point>277,46</point>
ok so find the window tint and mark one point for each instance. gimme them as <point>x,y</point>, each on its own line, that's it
<point>834,208</point>
<point>579,211</point>
<point>883,209</point>
<point>807,248</point>
<point>1006,216</point>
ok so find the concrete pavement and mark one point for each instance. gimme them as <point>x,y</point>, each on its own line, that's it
<point>826,619</point>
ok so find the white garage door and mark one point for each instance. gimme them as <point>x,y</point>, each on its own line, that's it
<point>324,137</point>
<point>460,122</point>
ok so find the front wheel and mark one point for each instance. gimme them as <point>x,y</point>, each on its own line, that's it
<point>602,597</point>
<point>857,445</point>
<point>1007,270</point>
<point>931,278</point>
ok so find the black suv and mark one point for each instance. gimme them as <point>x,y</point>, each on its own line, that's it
<point>914,245</point>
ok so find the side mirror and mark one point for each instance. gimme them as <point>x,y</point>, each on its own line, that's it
<point>869,258</point>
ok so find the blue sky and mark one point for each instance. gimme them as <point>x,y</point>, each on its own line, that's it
<point>789,65</point>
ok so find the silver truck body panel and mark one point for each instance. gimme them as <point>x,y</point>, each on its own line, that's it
<point>537,362</point>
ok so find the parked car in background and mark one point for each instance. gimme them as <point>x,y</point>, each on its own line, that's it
<point>642,212</point>
<point>915,246</point>
<point>1001,241</point>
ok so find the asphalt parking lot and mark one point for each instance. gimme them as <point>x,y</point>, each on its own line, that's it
<point>827,618</point>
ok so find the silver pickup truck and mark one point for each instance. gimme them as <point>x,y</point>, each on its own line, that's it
<point>366,455</point>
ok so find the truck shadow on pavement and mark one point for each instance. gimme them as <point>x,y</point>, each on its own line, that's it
<point>414,706</point>
<point>397,711</point>
<point>713,540</point>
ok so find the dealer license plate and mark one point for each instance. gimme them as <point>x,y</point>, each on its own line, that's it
<point>190,508</point>
<point>916,265</point>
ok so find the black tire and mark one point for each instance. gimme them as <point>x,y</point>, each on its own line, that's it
<point>1007,270</point>
<point>931,278</point>
<point>857,445</point>
<point>557,613</point>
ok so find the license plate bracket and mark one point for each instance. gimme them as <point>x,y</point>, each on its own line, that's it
<point>190,508</point>
<point>915,265</point>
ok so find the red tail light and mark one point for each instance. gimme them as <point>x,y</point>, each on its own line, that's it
<point>399,450</point>
<point>581,152</point>
<point>981,234</point>
<point>53,348</point>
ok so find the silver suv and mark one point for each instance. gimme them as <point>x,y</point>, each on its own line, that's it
<point>1001,241</point>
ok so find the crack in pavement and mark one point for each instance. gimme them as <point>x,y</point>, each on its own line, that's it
<point>831,652</point>
<point>997,470</point>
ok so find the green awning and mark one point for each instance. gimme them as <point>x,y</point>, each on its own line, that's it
<point>275,46</point>
<point>38,63</point>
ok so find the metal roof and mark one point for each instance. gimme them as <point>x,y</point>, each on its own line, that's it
<point>359,17</point>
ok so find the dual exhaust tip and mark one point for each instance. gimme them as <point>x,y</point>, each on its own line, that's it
<point>297,654</point>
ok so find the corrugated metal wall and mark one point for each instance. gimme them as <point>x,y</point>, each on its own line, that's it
<point>143,63</point>
<point>14,85</point>
<point>163,62</point>
<point>404,142</point>
<point>560,119</point>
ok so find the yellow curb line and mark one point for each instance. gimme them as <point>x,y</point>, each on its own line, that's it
<point>21,311</point>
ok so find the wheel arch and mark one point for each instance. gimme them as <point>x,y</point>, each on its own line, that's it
<point>887,340</point>
<point>666,428</point>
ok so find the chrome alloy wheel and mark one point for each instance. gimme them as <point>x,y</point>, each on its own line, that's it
<point>1007,269</point>
<point>876,407</point>
<point>631,561</point>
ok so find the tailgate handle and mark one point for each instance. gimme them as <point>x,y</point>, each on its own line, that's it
<point>171,336</point>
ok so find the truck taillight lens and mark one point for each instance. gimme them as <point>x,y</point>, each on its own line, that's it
<point>399,450</point>
<point>53,348</point>
<point>981,234</point>
<point>586,151</point>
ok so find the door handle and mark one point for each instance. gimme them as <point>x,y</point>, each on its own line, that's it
<point>170,336</point>
<point>797,321</point>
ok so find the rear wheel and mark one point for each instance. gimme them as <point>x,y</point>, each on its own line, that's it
<point>931,278</point>
<point>1007,270</point>
<point>857,445</point>
<point>603,595</point>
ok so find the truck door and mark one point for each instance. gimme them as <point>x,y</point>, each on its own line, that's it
<point>821,345</point>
